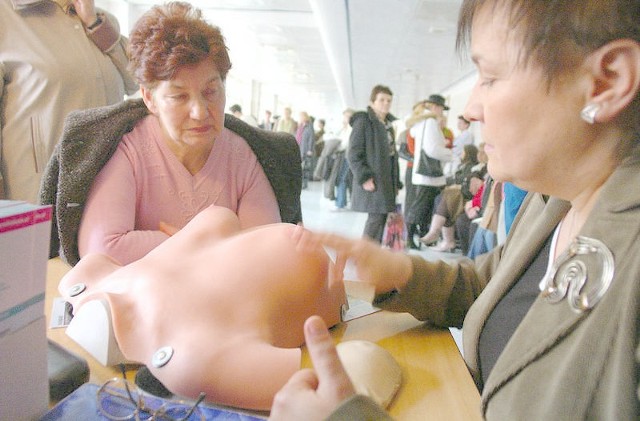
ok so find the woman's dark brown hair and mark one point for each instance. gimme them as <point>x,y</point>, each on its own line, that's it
<point>470,154</point>
<point>173,35</point>
<point>559,34</point>
<point>379,89</point>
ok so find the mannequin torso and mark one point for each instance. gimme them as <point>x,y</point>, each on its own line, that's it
<point>231,305</point>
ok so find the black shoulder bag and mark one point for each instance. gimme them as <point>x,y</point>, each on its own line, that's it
<point>428,166</point>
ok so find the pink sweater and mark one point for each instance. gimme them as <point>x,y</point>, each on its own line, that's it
<point>144,184</point>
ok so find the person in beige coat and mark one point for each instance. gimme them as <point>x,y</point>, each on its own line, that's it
<point>55,57</point>
<point>551,316</point>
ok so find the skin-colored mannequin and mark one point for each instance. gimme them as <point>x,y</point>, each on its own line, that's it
<point>230,303</point>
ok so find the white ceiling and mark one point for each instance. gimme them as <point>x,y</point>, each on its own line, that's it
<point>328,54</point>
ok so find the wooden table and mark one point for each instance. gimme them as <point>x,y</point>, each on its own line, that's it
<point>436,383</point>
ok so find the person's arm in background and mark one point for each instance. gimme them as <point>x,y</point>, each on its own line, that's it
<point>109,216</point>
<point>473,206</point>
<point>103,29</point>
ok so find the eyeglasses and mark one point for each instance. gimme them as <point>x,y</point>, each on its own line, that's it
<point>118,399</point>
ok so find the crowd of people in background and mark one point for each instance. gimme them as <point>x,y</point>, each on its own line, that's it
<point>460,211</point>
<point>371,159</point>
<point>311,135</point>
<point>441,212</point>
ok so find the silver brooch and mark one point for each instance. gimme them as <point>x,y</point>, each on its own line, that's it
<point>583,273</point>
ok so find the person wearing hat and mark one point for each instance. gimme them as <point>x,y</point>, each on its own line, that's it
<point>439,100</point>
<point>436,99</point>
<point>426,129</point>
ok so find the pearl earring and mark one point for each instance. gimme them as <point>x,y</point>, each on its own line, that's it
<point>589,112</point>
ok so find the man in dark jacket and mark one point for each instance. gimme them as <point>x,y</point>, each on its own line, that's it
<point>374,162</point>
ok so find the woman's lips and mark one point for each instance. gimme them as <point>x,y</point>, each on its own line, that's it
<point>201,129</point>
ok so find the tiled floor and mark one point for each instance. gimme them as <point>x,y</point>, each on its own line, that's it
<point>318,215</point>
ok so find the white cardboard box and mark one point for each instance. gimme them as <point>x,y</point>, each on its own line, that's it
<point>24,389</point>
<point>24,251</point>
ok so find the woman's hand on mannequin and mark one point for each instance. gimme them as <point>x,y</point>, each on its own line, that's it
<point>313,394</point>
<point>385,269</point>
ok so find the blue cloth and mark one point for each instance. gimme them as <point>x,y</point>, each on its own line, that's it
<point>513,197</point>
<point>82,405</point>
<point>484,240</point>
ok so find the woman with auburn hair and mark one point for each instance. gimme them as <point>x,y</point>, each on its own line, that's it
<point>180,158</point>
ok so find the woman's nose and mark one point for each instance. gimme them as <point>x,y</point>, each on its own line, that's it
<point>473,109</point>
<point>199,109</point>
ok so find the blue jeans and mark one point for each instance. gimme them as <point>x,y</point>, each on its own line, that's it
<point>341,185</point>
<point>483,241</point>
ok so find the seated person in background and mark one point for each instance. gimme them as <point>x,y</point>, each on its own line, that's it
<point>465,229</point>
<point>469,160</point>
<point>179,159</point>
<point>473,163</point>
<point>454,200</point>
<point>467,222</point>
<point>222,299</point>
<point>487,225</point>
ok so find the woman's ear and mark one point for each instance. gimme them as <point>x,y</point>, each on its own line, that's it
<point>147,97</point>
<point>615,69</point>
